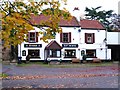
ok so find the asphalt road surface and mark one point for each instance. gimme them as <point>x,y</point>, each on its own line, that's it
<point>35,76</point>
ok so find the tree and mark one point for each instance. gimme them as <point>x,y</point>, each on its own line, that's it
<point>16,19</point>
<point>103,16</point>
<point>16,15</point>
<point>115,22</point>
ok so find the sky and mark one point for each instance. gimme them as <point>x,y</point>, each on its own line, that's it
<point>106,5</point>
<point>82,4</point>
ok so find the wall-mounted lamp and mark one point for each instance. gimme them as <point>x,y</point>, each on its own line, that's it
<point>79,30</point>
<point>98,30</point>
<point>105,40</point>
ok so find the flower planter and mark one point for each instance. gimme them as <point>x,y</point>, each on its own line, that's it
<point>75,60</point>
<point>96,60</point>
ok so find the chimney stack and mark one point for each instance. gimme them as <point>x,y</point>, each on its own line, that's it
<point>76,13</point>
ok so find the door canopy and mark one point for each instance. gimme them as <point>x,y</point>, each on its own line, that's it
<point>53,45</point>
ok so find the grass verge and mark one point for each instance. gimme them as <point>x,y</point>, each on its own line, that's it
<point>66,65</point>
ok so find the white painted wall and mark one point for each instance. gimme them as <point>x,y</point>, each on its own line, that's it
<point>26,49</point>
<point>99,35</point>
<point>113,38</point>
<point>119,38</point>
<point>76,38</point>
<point>74,35</point>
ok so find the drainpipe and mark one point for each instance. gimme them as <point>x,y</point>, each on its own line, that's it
<point>20,50</point>
<point>106,43</point>
<point>19,57</point>
<point>79,30</point>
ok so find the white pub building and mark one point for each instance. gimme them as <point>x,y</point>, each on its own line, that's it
<point>78,37</point>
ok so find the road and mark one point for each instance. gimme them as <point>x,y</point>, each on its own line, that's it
<point>36,76</point>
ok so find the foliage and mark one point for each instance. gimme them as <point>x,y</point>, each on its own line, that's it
<point>115,22</point>
<point>3,75</point>
<point>103,16</point>
<point>53,22</point>
<point>16,16</point>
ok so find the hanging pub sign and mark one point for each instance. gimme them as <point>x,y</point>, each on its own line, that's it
<point>69,45</point>
<point>33,45</point>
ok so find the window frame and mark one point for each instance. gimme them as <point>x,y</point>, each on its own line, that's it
<point>91,50</point>
<point>65,36</point>
<point>35,37</point>
<point>71,51</point>
<point>92,38</point>
<point>33,50</point>
<point>68,37</point>
<point>51,51</point>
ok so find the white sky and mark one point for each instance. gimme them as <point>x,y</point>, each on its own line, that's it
<point>106,4</point>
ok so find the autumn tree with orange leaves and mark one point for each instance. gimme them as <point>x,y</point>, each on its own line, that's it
<point>16,15</point>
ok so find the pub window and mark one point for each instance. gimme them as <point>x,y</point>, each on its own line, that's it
<point>54,53</point>
<point>65,37</point>
<point>89,38</point>
<point>35,53</point>
<point>91,53</point>
<point>23,53</point>
<point>33,37</point>
<point>70,53</point>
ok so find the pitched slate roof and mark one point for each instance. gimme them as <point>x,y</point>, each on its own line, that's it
<point>35,20</point>
<point>53,45</point>
<point>91,24</point>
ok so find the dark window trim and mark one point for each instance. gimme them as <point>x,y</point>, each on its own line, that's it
<point>93,38</point>
<point>69,37</point>
<point>70,56</point>
<point>91,50</point>
<point>36,37</point>
<point>48,53</point>
<point>35,54</point>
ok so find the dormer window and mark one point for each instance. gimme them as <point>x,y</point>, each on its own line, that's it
<point>89,38</point>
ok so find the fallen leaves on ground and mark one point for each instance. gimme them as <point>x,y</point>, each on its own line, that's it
<point>28,77</point>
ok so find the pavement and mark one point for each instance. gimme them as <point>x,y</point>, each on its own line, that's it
<point>36,76</point>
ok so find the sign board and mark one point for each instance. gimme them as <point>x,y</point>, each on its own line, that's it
<point>69,45</point>
<point>33,45</point>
